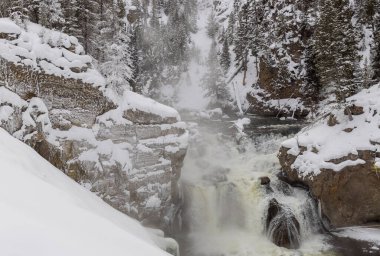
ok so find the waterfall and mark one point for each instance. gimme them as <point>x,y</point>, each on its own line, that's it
<point>225,208</point>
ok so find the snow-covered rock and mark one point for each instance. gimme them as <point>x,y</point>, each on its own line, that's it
<point>48,51</point>
<point>126,148</point>
<point>46,213</point>
<point>338,159</point>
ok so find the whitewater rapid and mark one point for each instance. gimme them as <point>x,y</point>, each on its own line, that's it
<point>225,206</point>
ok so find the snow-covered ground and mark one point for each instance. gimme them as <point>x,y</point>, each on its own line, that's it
<point>45,213</point>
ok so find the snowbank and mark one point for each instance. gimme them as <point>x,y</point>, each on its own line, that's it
<point>320,145</point>
<point>46,213</point>
<point>49,51</point>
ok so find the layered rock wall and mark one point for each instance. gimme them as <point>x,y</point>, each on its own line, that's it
<point>127,149</point>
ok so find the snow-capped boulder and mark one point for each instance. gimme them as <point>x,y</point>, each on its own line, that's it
<point>340,162</point>
<point>128,149</point>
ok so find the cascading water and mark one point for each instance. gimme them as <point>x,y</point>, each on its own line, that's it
<point>227,210</point>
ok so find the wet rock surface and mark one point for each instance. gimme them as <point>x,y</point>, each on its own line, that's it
<point>264,180</point>
<point>282,226</point>
<point>345,246</point>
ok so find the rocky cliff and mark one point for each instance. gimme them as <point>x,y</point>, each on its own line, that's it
<point>126,148</point>
<point>338,159</point>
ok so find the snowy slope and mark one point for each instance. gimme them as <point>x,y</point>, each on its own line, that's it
<point>43,212</point>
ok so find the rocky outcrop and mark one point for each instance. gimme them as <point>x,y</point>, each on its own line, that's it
<point>127,149</point>
<point>339,161</point>
<point>348,197</point>
<point>265,104</point>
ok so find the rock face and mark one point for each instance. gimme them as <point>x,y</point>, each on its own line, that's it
<point>282,226</point>
<point>129,150</point>
<point>339,161</point>
<point>348,197</point>
<point>282,88</point>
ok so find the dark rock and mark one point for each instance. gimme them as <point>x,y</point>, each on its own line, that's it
<point>282,226</point>
<point>273,210</point>
<point>332,121</point>
<point>355,110</point>
<point>76,69</point>
<point>261,108</point>
<point>8,36</point>
<point>133,15</point>
<point>264,180</point>
<point>348,130</point>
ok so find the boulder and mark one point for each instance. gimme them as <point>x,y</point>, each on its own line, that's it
<point>348,197</point>
<point>264,180</point>
<point>282,226</point>
<point>354,110</point>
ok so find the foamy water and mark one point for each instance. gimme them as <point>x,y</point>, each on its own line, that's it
<point>225,205</point>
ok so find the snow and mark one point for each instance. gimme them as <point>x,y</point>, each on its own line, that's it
<point>361,233</point>
<point>136,101</point>
<point>7,96</point>
<point>47,51</point>
<point>239,124</point>
<point>46,213</point>
<point>8,27</point>
<point>324,143</point>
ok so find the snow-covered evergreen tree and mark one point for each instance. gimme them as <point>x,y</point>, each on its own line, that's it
<point>214,81</point>
<point>212,26</point>
<point>225,58</point>
<point>335,45</point>
<point>51,14</point>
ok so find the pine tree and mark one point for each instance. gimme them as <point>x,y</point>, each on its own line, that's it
<point>134,79</point>
<point>242,41</point>
<point>335,47</point>
<point>154,22</point>
<point>312,85</point>
<point>50,14</point>
<point>71,12</point>
<point>214,81</point>
<point>19,12</point>
<point>230,33</point>
<point>81,21</point>
<point>376,50</point>
<point>225,60</point>
<point>212,26</point>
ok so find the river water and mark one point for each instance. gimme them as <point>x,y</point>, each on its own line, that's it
<point>225,206</point>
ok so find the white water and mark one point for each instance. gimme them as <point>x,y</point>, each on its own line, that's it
<point>226,206</point>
